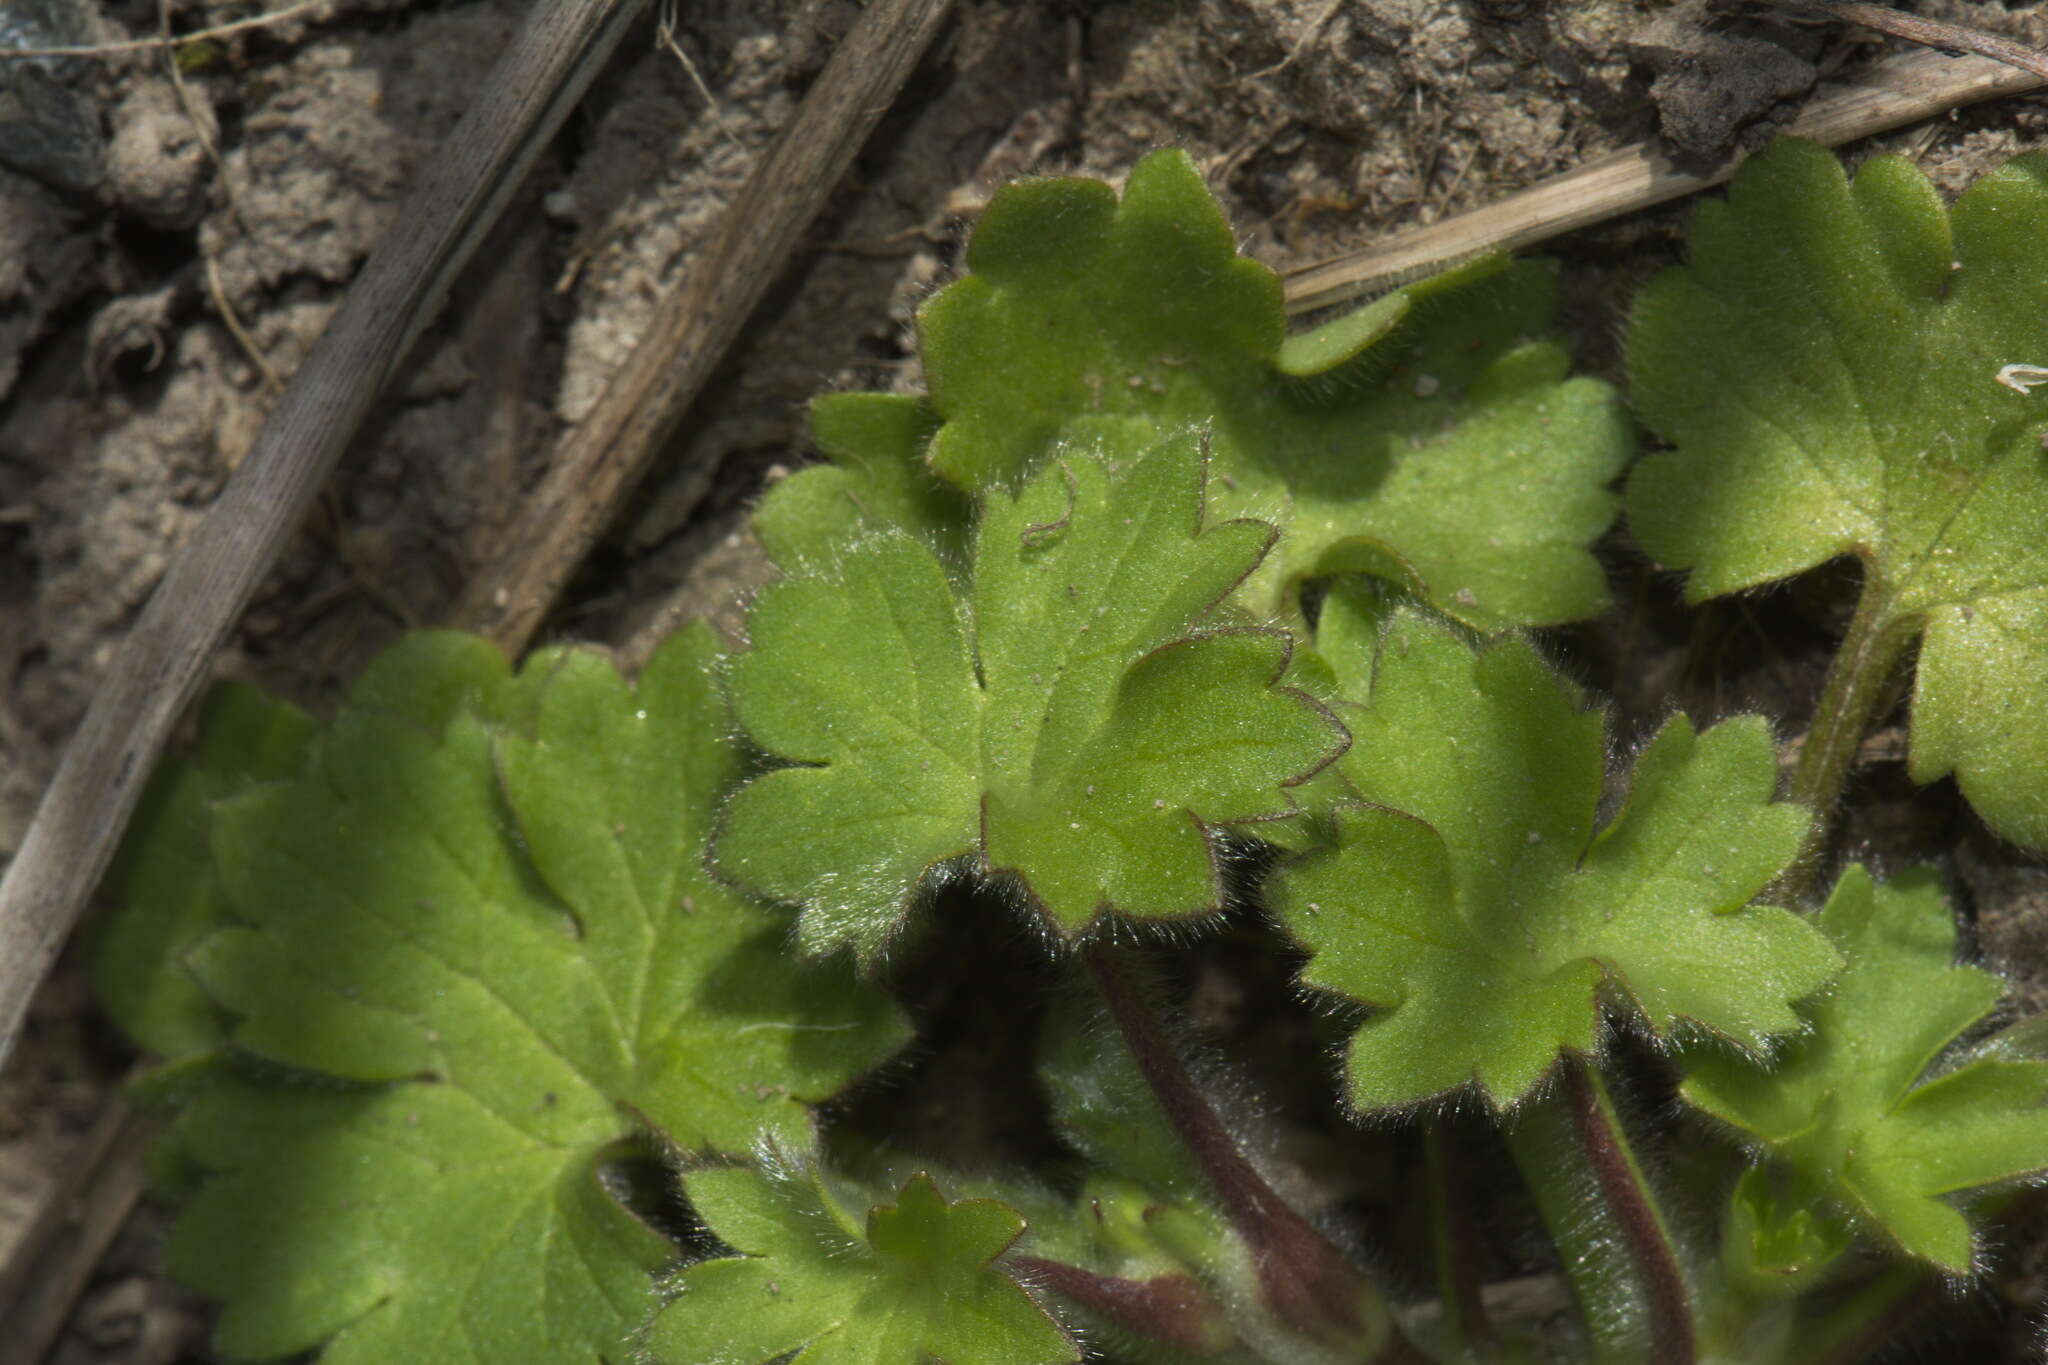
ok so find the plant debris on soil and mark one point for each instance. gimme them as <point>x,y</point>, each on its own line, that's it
<point>174,232</point>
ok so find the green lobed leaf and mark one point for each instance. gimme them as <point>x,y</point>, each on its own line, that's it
<point>1827,365</point>
<point>916,1282</point>
<point>162,883</point>
<point>410,1223</point>
<point>430,677</point>
<point>1078,721</point>
<point>1852,1106</point>
<point>506,951</point>
<point>1476,905</point>
<point>875,480</point>
<point>1448,450</point>
<point>166,895</point>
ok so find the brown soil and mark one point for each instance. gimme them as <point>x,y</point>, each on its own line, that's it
<point>169,250</point>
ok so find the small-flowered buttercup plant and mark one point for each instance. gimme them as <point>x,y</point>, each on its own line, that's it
<point>1150,617</point>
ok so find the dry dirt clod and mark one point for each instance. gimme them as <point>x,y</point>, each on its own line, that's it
<point>157,167</point>
<point>1719,79</point>
<point>49,131</point>
<point>134,324</point>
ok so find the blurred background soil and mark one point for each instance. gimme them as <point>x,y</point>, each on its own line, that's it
<point>172,241</point>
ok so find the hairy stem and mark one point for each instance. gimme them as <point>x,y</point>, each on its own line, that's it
<point>1305,1280</point>
<point>1616,1248</point>
<point>1635,1212</point>
<point>1456,1244</point>
<point>1173,1310</point>
<point>1858,687</point>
